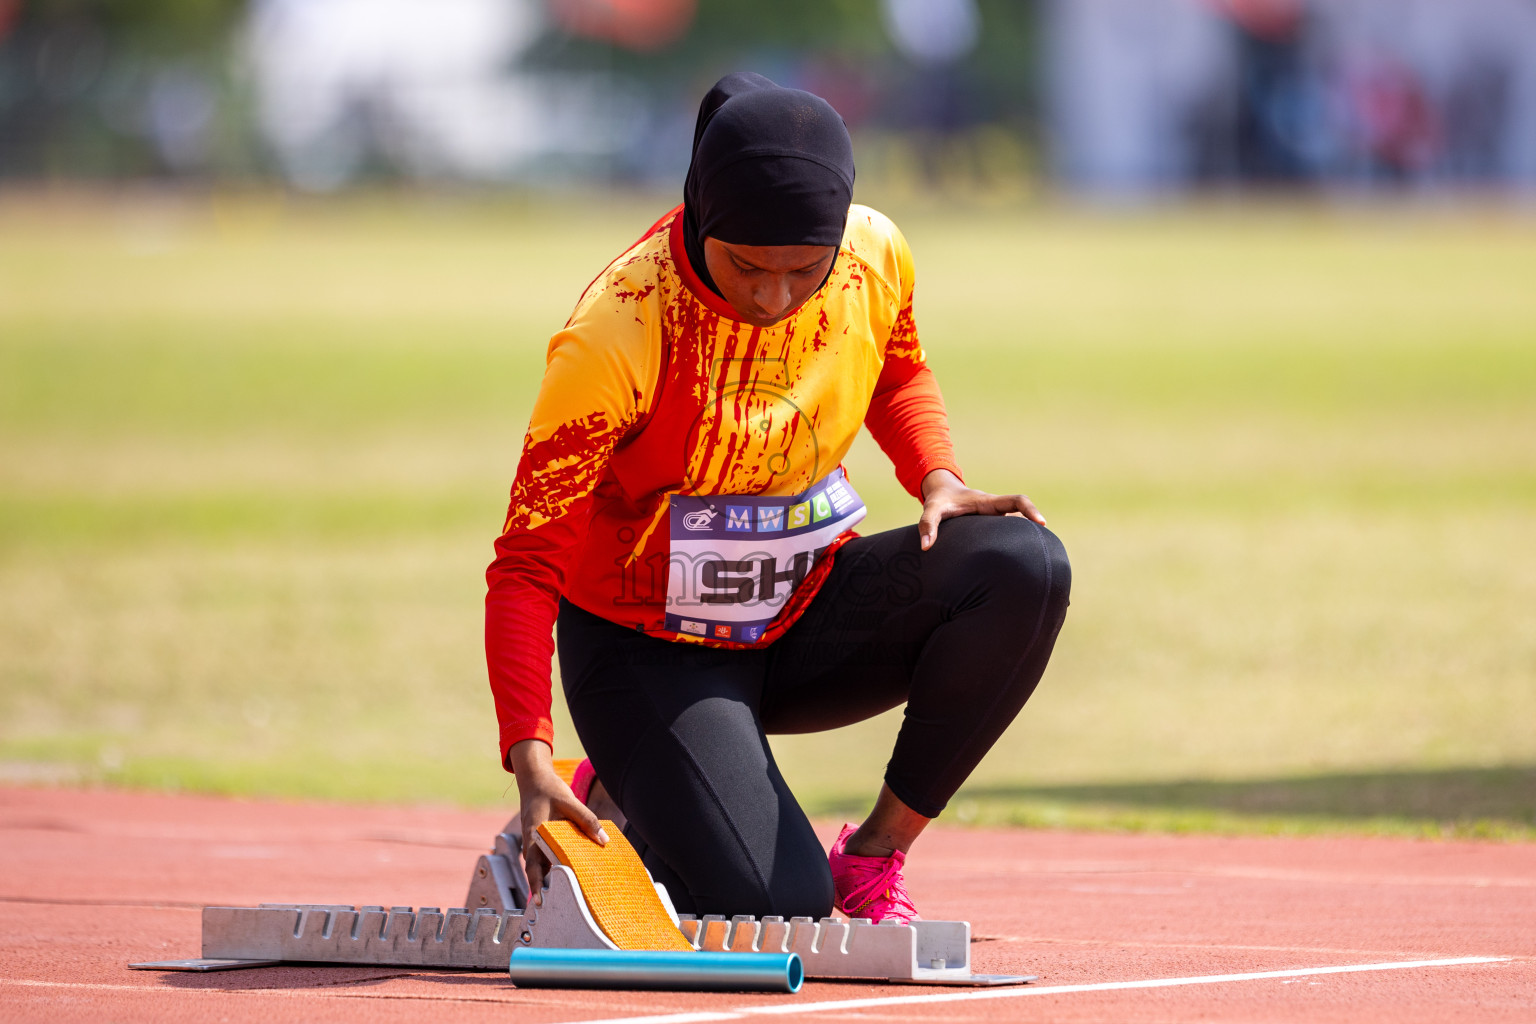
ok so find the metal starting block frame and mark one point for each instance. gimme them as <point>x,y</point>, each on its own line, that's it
<point>497,918</point>
<point>923,952</point>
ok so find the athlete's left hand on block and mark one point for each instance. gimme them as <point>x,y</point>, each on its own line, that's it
<point>545,796</point>
<point>946,496</point>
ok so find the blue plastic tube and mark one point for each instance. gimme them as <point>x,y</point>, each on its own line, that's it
<point>696,972</point>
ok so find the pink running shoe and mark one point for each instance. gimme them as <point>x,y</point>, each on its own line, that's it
<point>870,886</point>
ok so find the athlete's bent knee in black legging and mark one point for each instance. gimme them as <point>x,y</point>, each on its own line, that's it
<point>961,633</point>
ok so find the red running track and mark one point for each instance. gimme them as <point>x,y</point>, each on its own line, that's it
<point>91,880</point>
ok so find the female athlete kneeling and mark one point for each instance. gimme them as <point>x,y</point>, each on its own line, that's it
<point>681,511</point>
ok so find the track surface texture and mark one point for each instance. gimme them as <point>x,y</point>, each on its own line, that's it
<point>91,880</point>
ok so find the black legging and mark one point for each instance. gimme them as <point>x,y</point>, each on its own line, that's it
<point>677,731</point>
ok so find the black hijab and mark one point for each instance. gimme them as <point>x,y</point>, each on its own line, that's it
<point>771,166</point>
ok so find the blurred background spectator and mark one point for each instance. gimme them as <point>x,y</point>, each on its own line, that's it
<point>1124,97</point>
<point>1150,95</point>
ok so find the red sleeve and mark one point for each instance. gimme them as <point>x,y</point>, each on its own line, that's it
<point>524,584</point>
<point>906,416</point>
<point>906,412</point>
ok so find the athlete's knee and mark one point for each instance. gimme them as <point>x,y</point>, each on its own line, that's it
<point>1014,556</point>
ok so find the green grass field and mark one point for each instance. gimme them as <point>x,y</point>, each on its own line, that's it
<point>253,453</point>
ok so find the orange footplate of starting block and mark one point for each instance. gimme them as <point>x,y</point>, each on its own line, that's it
<point>616,886</point>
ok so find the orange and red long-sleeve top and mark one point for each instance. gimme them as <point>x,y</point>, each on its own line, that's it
<point>653,388</point>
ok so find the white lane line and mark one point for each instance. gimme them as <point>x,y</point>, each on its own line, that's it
<point>737,1013</point>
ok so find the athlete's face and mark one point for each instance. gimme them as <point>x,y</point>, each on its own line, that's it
<point>766,283</point>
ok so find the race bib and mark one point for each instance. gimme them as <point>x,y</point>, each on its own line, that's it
<point>735,560</point>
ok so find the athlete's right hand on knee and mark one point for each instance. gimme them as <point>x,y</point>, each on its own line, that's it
<point>544,795</point>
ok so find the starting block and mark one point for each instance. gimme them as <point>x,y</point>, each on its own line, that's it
<point>597,898</point>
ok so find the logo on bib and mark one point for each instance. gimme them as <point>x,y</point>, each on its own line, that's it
<point>770,518</point>
<point>689,626</point>
<point>699,520</point>
<point>723,632</point>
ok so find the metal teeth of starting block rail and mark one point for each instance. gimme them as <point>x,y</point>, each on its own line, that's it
<point>360,935</point>
<point>481,939</point>
<point>935,952</point>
